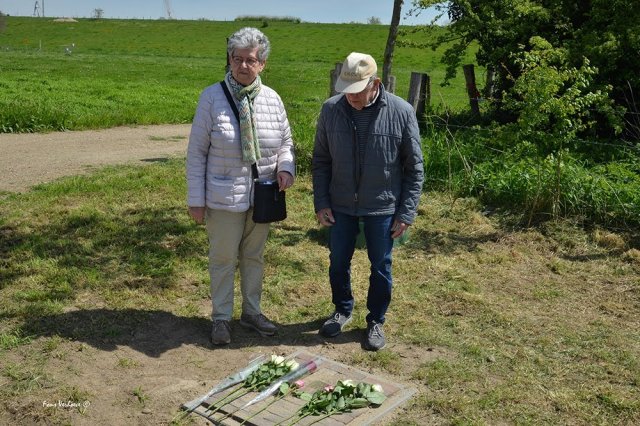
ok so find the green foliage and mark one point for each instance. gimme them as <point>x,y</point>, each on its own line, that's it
<point>268,372</point>
<point>535,184</point>
<point>343,397</point>
<point>543,172</point>
<point>602,31</point>
<point>556,109</point>
<point>554,102</point>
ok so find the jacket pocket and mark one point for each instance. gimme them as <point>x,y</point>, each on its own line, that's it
<point>221,190</point>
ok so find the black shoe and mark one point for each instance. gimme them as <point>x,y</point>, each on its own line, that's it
<point>333,326</point>
<point>374,340</point>
<point>259,323</point>
<point>221,332</point>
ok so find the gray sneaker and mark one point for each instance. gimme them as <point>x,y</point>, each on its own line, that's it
<point>334,325</point>
<point>221,332</point>
<point>374,340</point>
<point>259,323</point>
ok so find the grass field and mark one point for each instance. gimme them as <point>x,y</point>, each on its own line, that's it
<point>105,73</point>
<point>490,322</point>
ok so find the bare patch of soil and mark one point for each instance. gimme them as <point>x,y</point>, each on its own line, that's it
<point>142,375</point>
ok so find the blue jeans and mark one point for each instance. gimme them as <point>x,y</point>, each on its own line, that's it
<point>377,233</point>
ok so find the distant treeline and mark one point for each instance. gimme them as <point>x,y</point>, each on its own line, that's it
<point>269,18</point>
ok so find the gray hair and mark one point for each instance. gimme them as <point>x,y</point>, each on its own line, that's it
<point>250,38</point>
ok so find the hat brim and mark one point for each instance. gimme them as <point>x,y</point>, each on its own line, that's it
<point>344,86</point>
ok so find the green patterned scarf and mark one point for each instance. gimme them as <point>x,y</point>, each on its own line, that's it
<point>248,133</point>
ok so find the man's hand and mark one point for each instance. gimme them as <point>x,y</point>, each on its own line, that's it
<point>325,217</point>
<point>398,229</point>
<point>197,213</point>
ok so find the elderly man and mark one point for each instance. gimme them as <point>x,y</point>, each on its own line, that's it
<point>367,166</point>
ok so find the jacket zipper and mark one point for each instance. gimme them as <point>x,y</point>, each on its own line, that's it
<point>357,167</point>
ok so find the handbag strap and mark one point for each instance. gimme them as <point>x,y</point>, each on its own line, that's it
<point>232,104</point>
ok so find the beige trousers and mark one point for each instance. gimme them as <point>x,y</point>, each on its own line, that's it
<point>235,240</point>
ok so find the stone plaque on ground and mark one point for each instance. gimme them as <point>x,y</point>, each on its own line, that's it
<point>281,411</point>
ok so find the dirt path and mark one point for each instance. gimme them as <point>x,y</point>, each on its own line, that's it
<point>30,159</point>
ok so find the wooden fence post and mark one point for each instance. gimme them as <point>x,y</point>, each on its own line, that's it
<point>419,93</point>
<point>472,90</point>
<point>334,74</point>
<point>392,84</point>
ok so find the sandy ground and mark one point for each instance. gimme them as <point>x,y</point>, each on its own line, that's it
<point>142,376</point>
<point>30,159</point>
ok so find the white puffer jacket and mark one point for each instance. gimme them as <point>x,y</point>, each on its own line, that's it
<point>216,175</point>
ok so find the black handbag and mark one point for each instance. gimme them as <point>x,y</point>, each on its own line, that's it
<point>269,203</point>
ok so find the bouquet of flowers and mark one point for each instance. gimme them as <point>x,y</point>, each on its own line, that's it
<point>343,397</point>
<point>258,380</point>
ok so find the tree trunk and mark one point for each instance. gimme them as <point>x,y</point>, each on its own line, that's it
<point>391,42</point>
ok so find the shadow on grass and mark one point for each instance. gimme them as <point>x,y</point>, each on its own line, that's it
<point>90,247</point>
<point>154,332</point>
<point>448,242</point>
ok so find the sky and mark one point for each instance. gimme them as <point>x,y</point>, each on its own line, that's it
<point>336,11</point>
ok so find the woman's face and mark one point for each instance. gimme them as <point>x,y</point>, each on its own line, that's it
<point>245,65</point>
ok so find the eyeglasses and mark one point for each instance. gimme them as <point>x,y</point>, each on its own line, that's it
<point>239,60</point>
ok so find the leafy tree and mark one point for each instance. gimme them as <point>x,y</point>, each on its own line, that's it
<point>605,32</point>
<point>553,100</point>
<point>374,20</point>
<point>98,13</point>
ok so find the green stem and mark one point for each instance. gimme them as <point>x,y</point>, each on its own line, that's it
<point>238,393</point>
<point>276,399</point>
<point>289,418</point>
<point>230,413</point>
<point>298,419</point>
<point>180,416</point>
<point>322,418</point>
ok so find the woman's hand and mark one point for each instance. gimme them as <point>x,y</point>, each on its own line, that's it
<point>197,214</point>
<point>285,180</point>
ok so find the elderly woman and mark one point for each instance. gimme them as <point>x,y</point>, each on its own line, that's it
<point>220,154</point>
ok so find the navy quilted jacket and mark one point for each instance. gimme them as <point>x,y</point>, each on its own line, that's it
<point>389,180</point>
